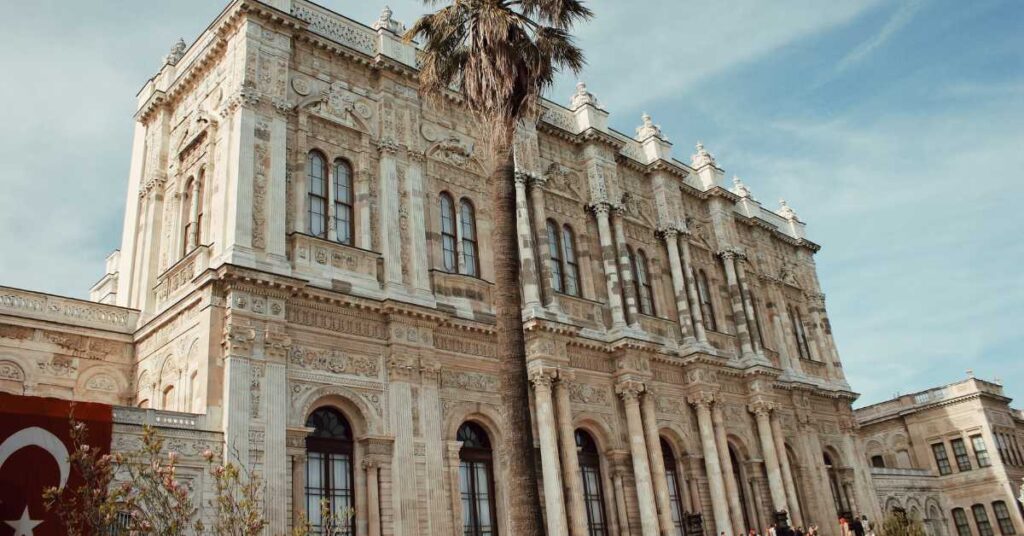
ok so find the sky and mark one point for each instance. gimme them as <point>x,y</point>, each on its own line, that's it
<point>895,129</point>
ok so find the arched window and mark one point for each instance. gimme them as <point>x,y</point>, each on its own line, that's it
<point>329,471</point>
<point>878,461</point>
<point>593,493</point>
<point>144,403</point>
<point>798,332</point>
<point>737,472</point>
<point>572,267</point>
<point>449,261</point>
<point>186,216</point>
<point>317,178</point>
<point>344,223</point>
<point>198,203</point>
<point>476,481</point>
<point>707,309</point>
<point>981,520</point>
<point>555,251</point>
<point>470,259</point>
<point>642,282</point>
<point>675,485</point>
<point>838,493</point>
<point>167,402</point>
<point>756,306</point>
<point>1003,518</point>
<point>963,527</point>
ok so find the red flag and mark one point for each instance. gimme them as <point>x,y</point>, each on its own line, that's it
<point>34,447</point>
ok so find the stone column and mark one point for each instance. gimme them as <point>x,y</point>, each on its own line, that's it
<point>748,305</point>
<point>620,503</point>
<point>431,427</point>
<point>732,489</point>
<point>739,316</point>
<point>275,472</point>
<point>571,478</point>
<point>372,498</point>
<point>237,381</point>
<point>298,487</point>
<point>547,434</point>
<point>796,516</point>
<point>783,323</point>
<point>608,257</point>
<point>625,267</point>
<point>694,485</point>
<point>540,222</point>
<point>762,411</point>
<point>630,391</point>
<point>719,502</point>
<point>193,215</point>
<point>671,237</point>
<point>455,491</point>
<point>691,291</point>
<point>657,459</point>
<point>418,258</point>
<point>528,268</point>
<point>391,237</point>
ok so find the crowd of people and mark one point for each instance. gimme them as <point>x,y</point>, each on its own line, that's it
<point>855,526</point>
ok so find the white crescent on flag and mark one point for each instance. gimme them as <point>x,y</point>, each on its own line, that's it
<point>38,437</point>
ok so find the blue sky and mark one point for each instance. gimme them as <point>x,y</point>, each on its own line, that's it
<point>895,129</point>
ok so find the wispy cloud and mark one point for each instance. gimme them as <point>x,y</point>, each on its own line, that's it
<point>900,18</point>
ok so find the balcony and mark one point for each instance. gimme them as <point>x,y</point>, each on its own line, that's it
<point>586,313</point>
<point>723,341</point>
<point>174,282</point>
<point>659,327</point>
<point>334,265</point>
<point>453,287</point>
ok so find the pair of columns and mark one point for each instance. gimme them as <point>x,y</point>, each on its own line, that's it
<point>742,306</point>
<point>691,318</point>
<point>727,511</point>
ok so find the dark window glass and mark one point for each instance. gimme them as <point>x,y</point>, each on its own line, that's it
<point>555,252</point>
<point>317,178</point>
<point>980,451</point>
<point>1003,518</point>
<point>448,252</point>
<point>593,492</point>
<point>343,217</point>
<point>644,291</point>
<point>877,461</point>
<point>675,498</point>
<point>981,520</point>
<point>963,527</point>
<point>476,481</point>
<point>756,306</point>
<point>572,267</point>
<point>329,471</point>
<point>470,258</point>
<point>798,332</point>
<point>963,461</point>
<point>942,458</point>
<point>707,309</point>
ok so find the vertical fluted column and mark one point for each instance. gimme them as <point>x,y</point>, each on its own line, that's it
<point>372,498</point>
<point>625,266</point>
<point>739,316</point>
<point>620,503</point>
<point>548,436</point>
<point>528,268</point>
<point>608,260</point>
<point>455,491</point>
<point>543,247</point>
<point>694,484</point>
<point>571,479</point>
<point>275,472</point>
<point>671,237</point>
<point>783,324</point>
<point>193,216</point>
<point>691,290</point>
<point>657,462</point>
<point>787,472</point>
<point>728,471</point>
<point>298,487</point>
<point>762,411</point>
<point>748,305</point>
<point>419,255</point>
<point>719,501</point>
<point>391,236</point>
<point>236,416</point>
<point>630,391</point>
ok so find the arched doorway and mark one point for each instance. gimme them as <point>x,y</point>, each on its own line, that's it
<point>839,497</point>
<point>476,481</point>
<point>329,469</point>
<point>593,490</point>
<point>675,488</point>
<point>745,500</point>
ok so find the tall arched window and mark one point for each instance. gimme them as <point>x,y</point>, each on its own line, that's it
<point>756,306</point>
<point>838,493</point>
<point>1003,518</point>
<point>470,258</point>
<point>167,403</point>
<point>572,267</point>
<point>555,252</point>
<point>737,472</point>
<point>644,291</point>
<point>317,178</point>
<point>593,494</point>
<point>707,309</point>
<point>188,226</point>
<point>344,223</point>
<point>963,526</point>
<point>675,485</point>
<point>476,481</point>
<point>329,471</point>
<point>981,520</point>
<point>798,332</point>
<point>449,260</point>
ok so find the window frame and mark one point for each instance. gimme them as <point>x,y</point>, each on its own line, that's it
<point>470,459</point>
<point>707,305</point>
<point>981,455</point>
<point>570,262</point>
<point>675,494</point>
<point>590,465</point>
<point>961,522</point>
<point>642,282</point>
<point>942,462</point>
<point>469,251</point>
<point>449,234</point>
<point>346,204</point>
<point>877,461</point>
<point>1003,519</point>
<point>755,305</point>
<point>803,348</point>
<point>555,252</point>
<point>982,521</point>
<point>963,459</point>
<point>321,218</point>
<point>329,450</point>
<point>186,215</point>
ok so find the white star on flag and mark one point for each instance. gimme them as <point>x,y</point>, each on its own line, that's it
<point>23,526</point>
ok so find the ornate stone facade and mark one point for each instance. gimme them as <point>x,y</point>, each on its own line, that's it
<point>664,311</point>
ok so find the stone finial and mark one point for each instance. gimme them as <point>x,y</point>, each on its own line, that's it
<point>786,211</point>
<point>386,22</point>
<point>177,52</point>
<point>648,129</point>
<point>582,97</point>
<point>702,157</point>
<point>741,189</point>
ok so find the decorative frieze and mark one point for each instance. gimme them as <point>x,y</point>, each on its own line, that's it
<point>584,393</point>
<point>464,345</point>
<point>334,361</point>
<point>336,322</point>
<point>469,381</point>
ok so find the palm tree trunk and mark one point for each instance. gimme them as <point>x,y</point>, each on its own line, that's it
<point>521,473</point>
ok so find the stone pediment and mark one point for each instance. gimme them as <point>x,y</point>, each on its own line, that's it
<point>563,180</point>
<point>451,148</point>
<point>337,104</point>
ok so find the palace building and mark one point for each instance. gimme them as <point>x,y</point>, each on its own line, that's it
<point>304,283</point>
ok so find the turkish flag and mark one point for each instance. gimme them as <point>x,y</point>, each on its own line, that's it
<point>34,447</point>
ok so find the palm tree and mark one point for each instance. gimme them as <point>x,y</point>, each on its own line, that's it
<point>501,55</point>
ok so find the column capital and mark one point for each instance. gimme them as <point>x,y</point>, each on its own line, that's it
<point>537,181</point>
<point>761,407</point>
<point>668,233</point>
<point>629,389</point>
<point>701,399</point>
<point>370,464</point>
<point>542,377</point>
<point>416,156</point>
<point>522,178</point>
<point>566,375</point>
<point>600,208</point>
<point>387,146</point>
<point>732,253</point>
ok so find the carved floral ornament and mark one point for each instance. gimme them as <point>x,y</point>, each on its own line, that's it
<point>10,370</point>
